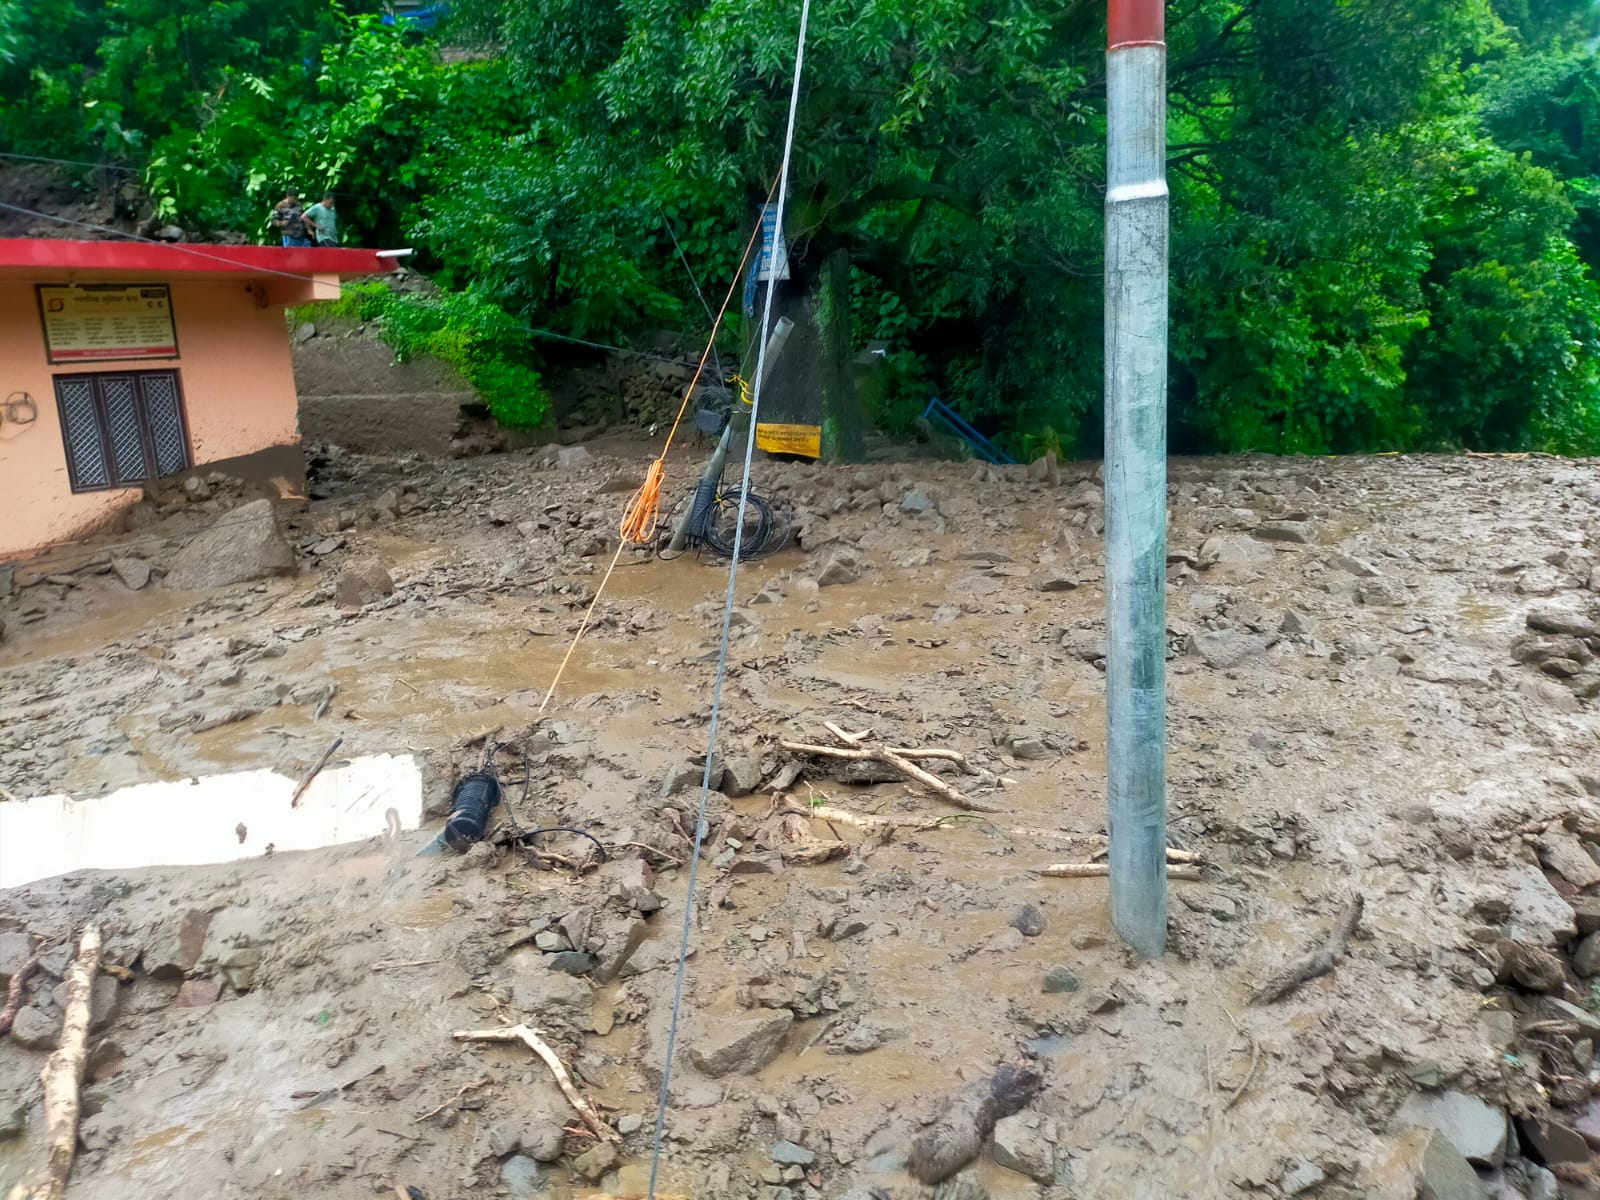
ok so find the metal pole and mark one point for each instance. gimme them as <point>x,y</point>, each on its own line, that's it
<point>1136,470</point>
<point>781,328</point>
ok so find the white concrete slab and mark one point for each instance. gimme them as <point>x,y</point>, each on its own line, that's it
<point>194,821</point>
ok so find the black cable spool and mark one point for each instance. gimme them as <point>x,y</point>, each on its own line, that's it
<point>471,803</point>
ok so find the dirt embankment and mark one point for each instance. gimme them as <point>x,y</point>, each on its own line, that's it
<point>1382,683</point>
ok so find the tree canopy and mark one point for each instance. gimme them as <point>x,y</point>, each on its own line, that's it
<point>1386,213</point>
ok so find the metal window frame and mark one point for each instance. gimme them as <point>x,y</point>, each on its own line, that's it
<point>95,380</point>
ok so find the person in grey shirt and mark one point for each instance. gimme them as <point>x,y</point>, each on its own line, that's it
<point>322,223</point>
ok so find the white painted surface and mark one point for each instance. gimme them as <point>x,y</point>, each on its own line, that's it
<point>195,821</point>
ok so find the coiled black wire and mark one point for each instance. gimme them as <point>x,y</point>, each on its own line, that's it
<point>712,514</point>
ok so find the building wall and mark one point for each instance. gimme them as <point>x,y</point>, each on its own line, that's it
<point>239,403</point>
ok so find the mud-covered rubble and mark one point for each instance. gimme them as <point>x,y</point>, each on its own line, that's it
<point>1358,701</point>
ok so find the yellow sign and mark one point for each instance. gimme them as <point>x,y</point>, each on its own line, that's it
<point>804,440</point>
<point>100,322</point>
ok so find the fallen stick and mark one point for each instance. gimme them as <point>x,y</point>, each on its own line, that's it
<point>1320,961</point>
<point>8,1014</point>
<point>62,1076</point>
<point>460,1092</point>
<point>1100,870</point>
<point>901,764</point>
<point>305,780</point>
<point>1250,1072</point>
<point>531,1039</point>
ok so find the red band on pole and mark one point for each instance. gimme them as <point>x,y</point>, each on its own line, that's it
<point>1136,23</point>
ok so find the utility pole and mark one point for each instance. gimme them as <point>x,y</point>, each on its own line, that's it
<point>1136,469</point>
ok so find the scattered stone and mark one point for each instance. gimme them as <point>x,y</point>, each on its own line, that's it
<point>741,775</point>
<point>1223,649</point>
<point>1054,581</point>
<point>542,1142</point>
<point>245,544</point>
<point>916,501</point>
<point>134,572</point>
<point>1382,592</point>
<point>1030,921</point>
<point>1359,567</point>
<point>629,1123</point>
<point>239,967</point>
<point>1045,470</point>
<point>864,1038</point>
<point>1296,624</point>
<point>361,584</point>
<point>177,945</point>
<point>572,962</point>
<point>1302,1177</point>
<point>1060,979</point>
<point>1585,911</point>
<point>1231,552</point>
<point>1022,1149</point>
<point>13,1121</point>
<point>1444,1175</point>
<point>34,1029</point>
<point>1565,855</point>
<point>1477,1130</point>
<point>1554,1141</point>
<point>1586,958</point>
<point>1560,620</point>
<point>103,997</point>
<point>741,1046</point>
<point>16,948</point>
<point>519,1175</point>
<point>845,566</point>
<point>1299,532</point>
<point>569,457</point>
<point>595,1162</point>
<point>682,778</point>
<point>547,996</point>
<point>551,941</point>
<point>1537,912</point>
<point>199,993</point>
<point>1582,1017</point>
<point>787,1154</point>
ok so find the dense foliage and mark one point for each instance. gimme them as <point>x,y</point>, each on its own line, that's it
<point>1386,213</point>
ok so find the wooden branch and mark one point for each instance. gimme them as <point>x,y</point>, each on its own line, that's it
<point>1250,1072</point>
<point>62,1076</point>
<point>1100,870</point>
<point>1320,961</point>
<point>305,780</point>
<point>531,1039</point>
<point>901,764</point>
<point>14,992</point>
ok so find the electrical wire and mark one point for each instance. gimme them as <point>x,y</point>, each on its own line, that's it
<point>68,162</point>
<point>727,625</point>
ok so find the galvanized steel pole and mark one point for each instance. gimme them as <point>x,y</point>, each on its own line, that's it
<point>1136,470</point>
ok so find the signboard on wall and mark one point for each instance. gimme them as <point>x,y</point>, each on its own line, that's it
<point>107,322</point>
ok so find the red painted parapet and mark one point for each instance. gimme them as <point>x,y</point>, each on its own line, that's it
<point>1136,23</point>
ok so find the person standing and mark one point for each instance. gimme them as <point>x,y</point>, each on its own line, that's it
<point>322,222</point>
<point>288,218</point>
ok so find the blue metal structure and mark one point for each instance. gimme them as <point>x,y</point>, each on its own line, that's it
<point>981,446</point>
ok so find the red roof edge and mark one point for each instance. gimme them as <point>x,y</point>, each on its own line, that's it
<point>54,255</point>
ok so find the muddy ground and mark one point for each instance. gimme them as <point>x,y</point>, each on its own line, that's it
<point>1358,705</point>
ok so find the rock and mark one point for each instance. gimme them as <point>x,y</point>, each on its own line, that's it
<point>13,1121</point>
<point>741,1045</point>
<point>16,948</point>
<point>1296,624</point>
<point>916,501</point>
<point>1030,921</point>
<point>1554,1141</point>
<point>1359,567</point>
<point>1585,911</point>
<point>845,566</point>
<point>1231,552</point>
<point>787,1154</point>
<point>1302,1177</point>
<point>1045,470</point>
<point>682,778</point>
<point>1586,958</point>
<point>546,996</point>
<point>551,941</point>
<point>239,967</point>
<point>1532,967</point>
<point>863,1038</point>
<point>1382,592</point>
<point>1054,581</point>
<point>1024,1150</point>
<point>134,572</point>
<point>245,544</point>
<point>1538,914</point>
<point>1443,1174</point>
<point>387,505</point>
<point>519,1175</point>
<point>572,962</point>
<point>572,456</point>
<point>1565,855</point>
<point>198,993</point>
<point>1299,532</point>
<point>305,331</point>
<point>1561,620</point>
<point>504,1138</point>
<point>542,1142</point>
<point>177,944</point>
<point>1582,1017</point>
<point>1225,648</point>
<point>35,1029</point>
<point>361,584</point>
<point>103,997</point>
<point>595,1162</point>
<point>8,580</point>
<point>196,489</point>
<point>1477,1130</point>
<point>629,1123</point>
<point>741,775</point>
<point>1059,979</point>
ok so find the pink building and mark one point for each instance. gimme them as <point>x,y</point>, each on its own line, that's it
<point>122,362</point>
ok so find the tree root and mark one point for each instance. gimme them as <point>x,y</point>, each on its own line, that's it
<point>1320,961</point>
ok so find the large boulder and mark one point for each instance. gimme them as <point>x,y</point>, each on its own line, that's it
<point>244,544</point>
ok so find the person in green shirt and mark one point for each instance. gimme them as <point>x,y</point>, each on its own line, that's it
<point>322,223</point>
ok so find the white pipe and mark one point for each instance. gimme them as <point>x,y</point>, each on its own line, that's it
<point>1136,488</point>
